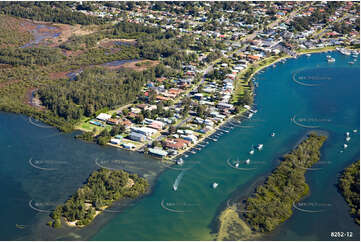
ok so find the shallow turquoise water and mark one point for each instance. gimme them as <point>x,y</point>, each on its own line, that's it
<point>189,212</point>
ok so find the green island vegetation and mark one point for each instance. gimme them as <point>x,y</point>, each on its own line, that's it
<point>349,185</point>
<point>271,203</point>
<point>101,189</point>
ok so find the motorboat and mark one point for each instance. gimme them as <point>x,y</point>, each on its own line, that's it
<point>236,165</point>
<point>180,162</point>
<point>248,161</point>
<point>308,55</point>
<point>273,134</point>
<point>215,185</point>
<point>260,146</point>
<point>348,138</point>
<point>347,133</point>
<point>345,146</point>
<point>251,152</point>
<point>355,130</point>
<point>250,115</point>
<point>331,60</point>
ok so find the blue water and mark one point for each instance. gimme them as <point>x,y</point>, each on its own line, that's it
<point>189,212</point>
<point>41,165</point>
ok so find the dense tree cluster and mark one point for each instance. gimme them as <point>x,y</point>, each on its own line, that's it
<point>30,56</point>
<point>94,89</point>
<point>102,188</point>
<point>133,30</point>
<point>58,12</point>
<point>271,203</point>
<point>349,185</point>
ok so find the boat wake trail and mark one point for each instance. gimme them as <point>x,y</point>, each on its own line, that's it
<point>178,180</point>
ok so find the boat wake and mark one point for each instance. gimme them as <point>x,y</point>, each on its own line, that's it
<point>178,180</point>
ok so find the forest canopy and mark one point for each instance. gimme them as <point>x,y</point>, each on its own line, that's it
<point>95,88</point>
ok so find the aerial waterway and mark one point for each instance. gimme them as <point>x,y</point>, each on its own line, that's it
<point>329,102</point>
<point>189,212</point>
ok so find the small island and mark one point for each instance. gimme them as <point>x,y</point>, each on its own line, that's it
<point>102,188</point>
<point>271,203</point>
<point>349,186</point>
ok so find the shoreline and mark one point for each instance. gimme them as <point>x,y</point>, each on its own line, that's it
<point>228,119</point>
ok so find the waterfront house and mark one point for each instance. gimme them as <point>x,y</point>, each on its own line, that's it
<point>157,152</point>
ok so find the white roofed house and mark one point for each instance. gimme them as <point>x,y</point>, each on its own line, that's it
<point>144,130</point>
<point>104,116</point>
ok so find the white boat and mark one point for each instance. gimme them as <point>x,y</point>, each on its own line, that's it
<point>348,138</point>
<point>328,57</point>
<point>250,115</point>
<point>345,146</point>
<point>215,185</point>
<point>351,62</point>
<point>260,146</point>
<point>248,161</point>
<point>331,60</point>
<point>236,165</point>
<point>273,134</point>
<point>251,152</point>
<point>347,133</point>
<point>355,130</point>
<point>180,162</point>
<point>308,55</point>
